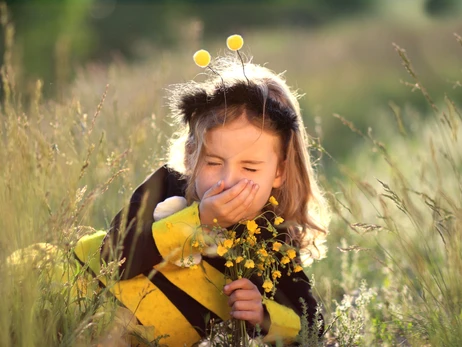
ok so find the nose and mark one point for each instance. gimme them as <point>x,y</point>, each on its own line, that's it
<point>230,176</point>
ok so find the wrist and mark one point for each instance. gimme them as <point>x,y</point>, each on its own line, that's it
<point>206,220</point>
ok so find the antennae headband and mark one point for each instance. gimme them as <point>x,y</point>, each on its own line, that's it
<point>197,101</point>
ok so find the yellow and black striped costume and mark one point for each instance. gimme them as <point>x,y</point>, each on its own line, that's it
<point>178,301</point>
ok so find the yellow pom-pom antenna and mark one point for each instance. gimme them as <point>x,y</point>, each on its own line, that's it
<point>235,42</point>
<point>202,58</point>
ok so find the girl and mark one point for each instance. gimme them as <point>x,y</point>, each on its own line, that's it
<point>241,141</point>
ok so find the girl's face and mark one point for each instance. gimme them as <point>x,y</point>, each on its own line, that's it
<point>237,151</point>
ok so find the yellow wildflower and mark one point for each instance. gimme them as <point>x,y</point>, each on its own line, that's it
<point>263,252</point>
<point>221,250</point>
<point>202,58</point>
<point>235,42</point>
<point>276,274</point>
<point>291,253</point>
<point>195,243</point>
<point>237,240</point>
<point>278,220</point>
<point>298,268</point>
<point>277,246</point>
<point>260,266</point>
<point>249,264</point>
<point>267,285</point>
<point>252,240</point>
<point>215,220</point>
<point>252,226</point>
<point>228,243</point>
<point>273,201</point>
<point>285,260</point>
<point>239,259</point>
<point>229,263</point>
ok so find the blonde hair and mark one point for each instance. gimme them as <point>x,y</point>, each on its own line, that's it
<point>264,98</point>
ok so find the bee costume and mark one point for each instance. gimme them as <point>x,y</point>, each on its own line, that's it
<point>177,300</point>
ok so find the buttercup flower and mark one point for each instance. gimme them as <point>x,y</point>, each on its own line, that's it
<point>228,243</point>
<point>272,200</point>
<point>263,252</point>
<point>277,246</point>
<point>298,268</point>
<point>267,285</point>
<point>249,264</point>
<point>202,58</point>
<point>229,263</point>
<point>276,274</point>
<point>235,42</point>
<point>252,226</point>
<point>285,260</point>
<point>251,240</point>
<point>291,253</point>
<point>278,220</point>
<point>239,259</point>
<point>221,250</point>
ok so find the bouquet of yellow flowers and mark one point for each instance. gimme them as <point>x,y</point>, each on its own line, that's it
<point>252,247</point>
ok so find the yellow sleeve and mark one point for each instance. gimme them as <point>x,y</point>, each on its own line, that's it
<point>285,323</point>
<point>172,234</point>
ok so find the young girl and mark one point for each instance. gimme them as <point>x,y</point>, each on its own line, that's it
<point>241,141</point>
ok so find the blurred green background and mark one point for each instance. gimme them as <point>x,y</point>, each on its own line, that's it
<point>337,52</point>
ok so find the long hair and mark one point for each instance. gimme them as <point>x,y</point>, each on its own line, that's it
<point>264,98</point>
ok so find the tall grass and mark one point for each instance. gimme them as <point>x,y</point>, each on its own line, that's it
<point>393,275</point>
<point>400,207</point>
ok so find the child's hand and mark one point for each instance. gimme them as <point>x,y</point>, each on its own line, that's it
<point>228,206</point>
<point>245,301</point>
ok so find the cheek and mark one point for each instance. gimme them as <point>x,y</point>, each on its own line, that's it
<point>203,183</point>
<point>263,194</point>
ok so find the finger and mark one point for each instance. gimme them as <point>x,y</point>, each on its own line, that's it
<point>253,306</point>
<point>215,189</point>
<point>242,283</point>
<point>240,203</point>
<point>231,193</point>
<point>247,203</point>
<point>252,316</point>
<point>240,295</point>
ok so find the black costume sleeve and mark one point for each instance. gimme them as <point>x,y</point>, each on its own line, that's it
<point>130,233</point>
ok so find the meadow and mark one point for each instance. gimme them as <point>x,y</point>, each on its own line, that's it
<point>390,161</point>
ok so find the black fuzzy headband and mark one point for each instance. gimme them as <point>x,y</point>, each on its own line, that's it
<point>197,100</point>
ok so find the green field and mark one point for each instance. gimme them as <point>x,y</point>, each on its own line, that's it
<point>386,136</point>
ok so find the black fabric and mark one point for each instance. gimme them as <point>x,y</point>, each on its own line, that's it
<point>195,313</point>
<point>135,222</point>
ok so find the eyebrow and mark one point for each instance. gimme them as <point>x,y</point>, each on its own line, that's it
<point>253,162</point>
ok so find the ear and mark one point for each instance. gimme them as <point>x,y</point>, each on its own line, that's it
<point>280,175</point>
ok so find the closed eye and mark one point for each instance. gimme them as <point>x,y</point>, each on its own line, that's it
<point>249,169</point>
<point>212,163</point>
